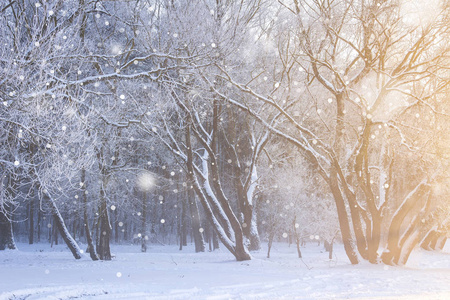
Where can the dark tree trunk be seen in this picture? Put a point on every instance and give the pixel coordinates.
(180, 227)
(197, 230)
(125, 228)
(330, 250)
(250, 229)
(343, 219)
(6, 232)
(183, 221)
(103, 248)
(59, 222)
(116, 225)
(74, 228)
(39, 216)
(144, 224)
(269, 245)
(90, 242)
(249, 226)
(31, 223)
(215, 240)
(297, 238)
(55, 231)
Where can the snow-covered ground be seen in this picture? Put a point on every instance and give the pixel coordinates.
(41, 272)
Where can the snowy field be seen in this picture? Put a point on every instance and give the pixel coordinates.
(41, 272)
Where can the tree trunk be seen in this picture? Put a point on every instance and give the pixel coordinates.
(250, 228)
(374, 239)
(297, 238)
(343, 219)
(180, 224)
(144, 224)
(39, 216)
(330, 250)
(6, 232)
(434, 240)
(195, 216)
(125, 228)
(215, 239)
(59, 221)
(90, 247)
(31, 222)
(116, 225)
(407, 248)
(426, 241)
(441, 242)
(55, 230)
(393, 250)
(269, 245)
(184, 220)
(197, 230)
(103, 248)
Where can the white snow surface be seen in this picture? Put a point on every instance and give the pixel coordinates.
(40, 272)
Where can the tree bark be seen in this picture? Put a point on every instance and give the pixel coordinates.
(144, 223)
(103, 248)
(61, 226)
(297, 238)
(39, 216)
(393, 250)
(441, 242)
(90, 242)
(31, 222)
(425, 244)
(344, 223)
(6, 232)
(194, 213)
(195, 221)
(269, 245)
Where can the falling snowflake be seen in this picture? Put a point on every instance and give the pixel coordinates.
(145, 181)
